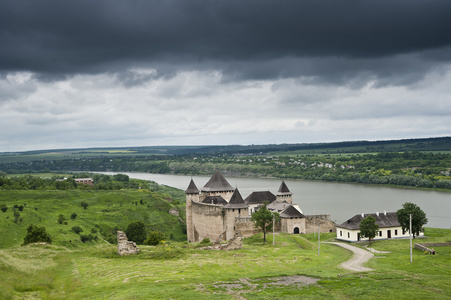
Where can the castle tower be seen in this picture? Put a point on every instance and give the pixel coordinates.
(192, 195)
(217, 186)
(284, 193)
(235, 208)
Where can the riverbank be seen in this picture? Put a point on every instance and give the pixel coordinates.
(341, 200)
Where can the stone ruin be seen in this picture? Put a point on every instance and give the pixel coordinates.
(124, 246)
(235, 243)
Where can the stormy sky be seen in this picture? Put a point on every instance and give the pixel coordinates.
(98, 73)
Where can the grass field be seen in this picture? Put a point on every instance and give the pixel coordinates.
(106, 210)
(181, 271)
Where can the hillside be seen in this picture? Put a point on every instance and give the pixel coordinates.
(107, 212)
(291, 269)
(420, 163)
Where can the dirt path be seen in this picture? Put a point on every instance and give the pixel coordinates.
(357, 260)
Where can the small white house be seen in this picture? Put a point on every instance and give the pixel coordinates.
(389, 227)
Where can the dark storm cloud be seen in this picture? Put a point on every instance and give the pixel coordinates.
(245, 39)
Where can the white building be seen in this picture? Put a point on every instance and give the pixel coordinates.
(389, 228)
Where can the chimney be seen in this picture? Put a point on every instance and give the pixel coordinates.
(377, 213)
(385, 212)
(363, 215)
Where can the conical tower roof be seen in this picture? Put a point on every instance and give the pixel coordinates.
(291, 212)
(283, 189)
(192, 188)
(236, 201)
(217, 183)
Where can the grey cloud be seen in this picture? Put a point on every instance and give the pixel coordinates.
(256, 39)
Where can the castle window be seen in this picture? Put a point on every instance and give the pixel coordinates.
(380, 233)
(396, 231)
(348, 235)
(341, 233)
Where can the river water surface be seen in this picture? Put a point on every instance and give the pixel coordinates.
(341, 200)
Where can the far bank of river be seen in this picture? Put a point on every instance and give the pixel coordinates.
(341, 200)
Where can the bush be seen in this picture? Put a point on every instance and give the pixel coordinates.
(20, 207)
(88, 238)
(4, 208)
(154, 238)
(136, 232)
(73, 216)
(205, 241)
(61, 219)
(84, 204)
(77, 229)
(36, 234)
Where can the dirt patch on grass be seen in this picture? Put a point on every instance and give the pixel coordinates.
(246, 285)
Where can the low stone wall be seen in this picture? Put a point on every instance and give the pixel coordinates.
(124, 246)
(427, 246)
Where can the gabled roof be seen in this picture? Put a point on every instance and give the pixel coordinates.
(192, 188)
(236, 201)
(214, 200)
(383, 220)
(217, 183)
(283, 189)
(291, 212)
(260, 198)
(277, 206)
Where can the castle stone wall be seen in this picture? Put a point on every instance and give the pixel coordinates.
(311, 224)
(246, 227)
(288, 225)
(207, 220)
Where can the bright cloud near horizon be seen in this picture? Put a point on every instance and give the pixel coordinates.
(84, 73)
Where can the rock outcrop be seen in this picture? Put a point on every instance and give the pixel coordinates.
(124, 246)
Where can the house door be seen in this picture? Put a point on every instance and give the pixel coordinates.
(296, 230)
(389, 234)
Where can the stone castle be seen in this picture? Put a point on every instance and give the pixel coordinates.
(218, 212)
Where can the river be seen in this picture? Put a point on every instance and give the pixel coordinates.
(341, 200)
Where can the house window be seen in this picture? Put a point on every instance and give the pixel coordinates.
(348, 235)
(341, 233)
(380, 233)
(239, 210)
(396, 231)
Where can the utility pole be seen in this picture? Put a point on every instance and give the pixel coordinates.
(410, 234)
(273, 230)
(319, 228)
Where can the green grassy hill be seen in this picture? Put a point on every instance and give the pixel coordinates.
(180, 271)
(107, 212)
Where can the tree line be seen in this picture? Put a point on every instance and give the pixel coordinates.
(414, 169)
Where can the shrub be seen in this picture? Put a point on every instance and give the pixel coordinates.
(136, 232)
(94, 230)
(154, 238)
(73, 216)
(205, 241)
(88, 238)
(4, 208)
(20, 207)
(77, 229)
(37, 234)
(84, 204)
(61, 219)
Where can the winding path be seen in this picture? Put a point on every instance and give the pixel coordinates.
(355, 263)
